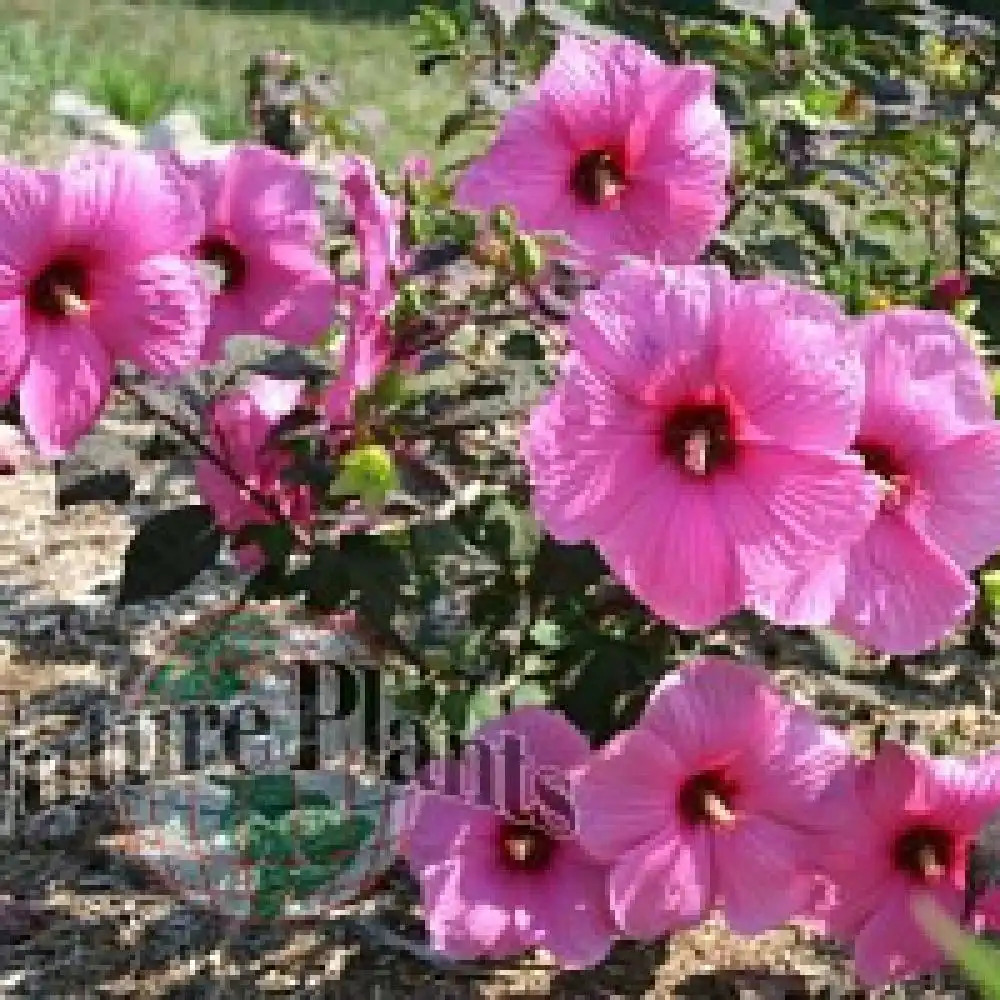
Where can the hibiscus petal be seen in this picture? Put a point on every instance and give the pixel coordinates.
(672, 550)
(547, 737)
(811, 598)
(527, 167)
(125, 206)
(965, 792)
(651, 330)
(892, 945)
(591, 453)
(223, 495)
(625, 793)
(368, 351)
(689, 141)
(287, 294)
(467, 910)
(274, 398)
(13, 344)
(267, 194)
(568, 911)
(29, 220)
(65, 385)
(791, 375)
(903, 593)
(959, 485)
(377, 219)
(788, 510)
(440, 815)
(667, 218)
(763, 874)
(907, 348)
(603, 91)
(154, 314)
(713, 708)
(664, 884)
(790, 783)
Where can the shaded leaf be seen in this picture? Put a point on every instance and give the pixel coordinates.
(116, 487)
(821, 214)
(463, 121)
(168, 552)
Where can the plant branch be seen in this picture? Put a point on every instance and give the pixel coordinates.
(964, 166)
(191, 438)
(383, 638)
(961, 196)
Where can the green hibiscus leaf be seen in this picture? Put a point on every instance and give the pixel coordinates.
(307, 879)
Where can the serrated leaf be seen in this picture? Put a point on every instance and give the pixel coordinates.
(168, 552)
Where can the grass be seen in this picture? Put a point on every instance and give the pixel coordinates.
(143, 58)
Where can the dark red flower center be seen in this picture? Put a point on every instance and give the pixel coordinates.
(525, 845)
(701, 435)
(61, 289)
(597, 177)
(708, 798)
(222, 254)
(882, 461)
(924, 853)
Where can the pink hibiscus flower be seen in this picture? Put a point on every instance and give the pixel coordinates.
(93, 269)
(897, 827)
(929, 437)
(707, 802)
(239, 425)
(262, 232)
(621, 152)
(699, 436)
(498, 868)
(367, 350)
